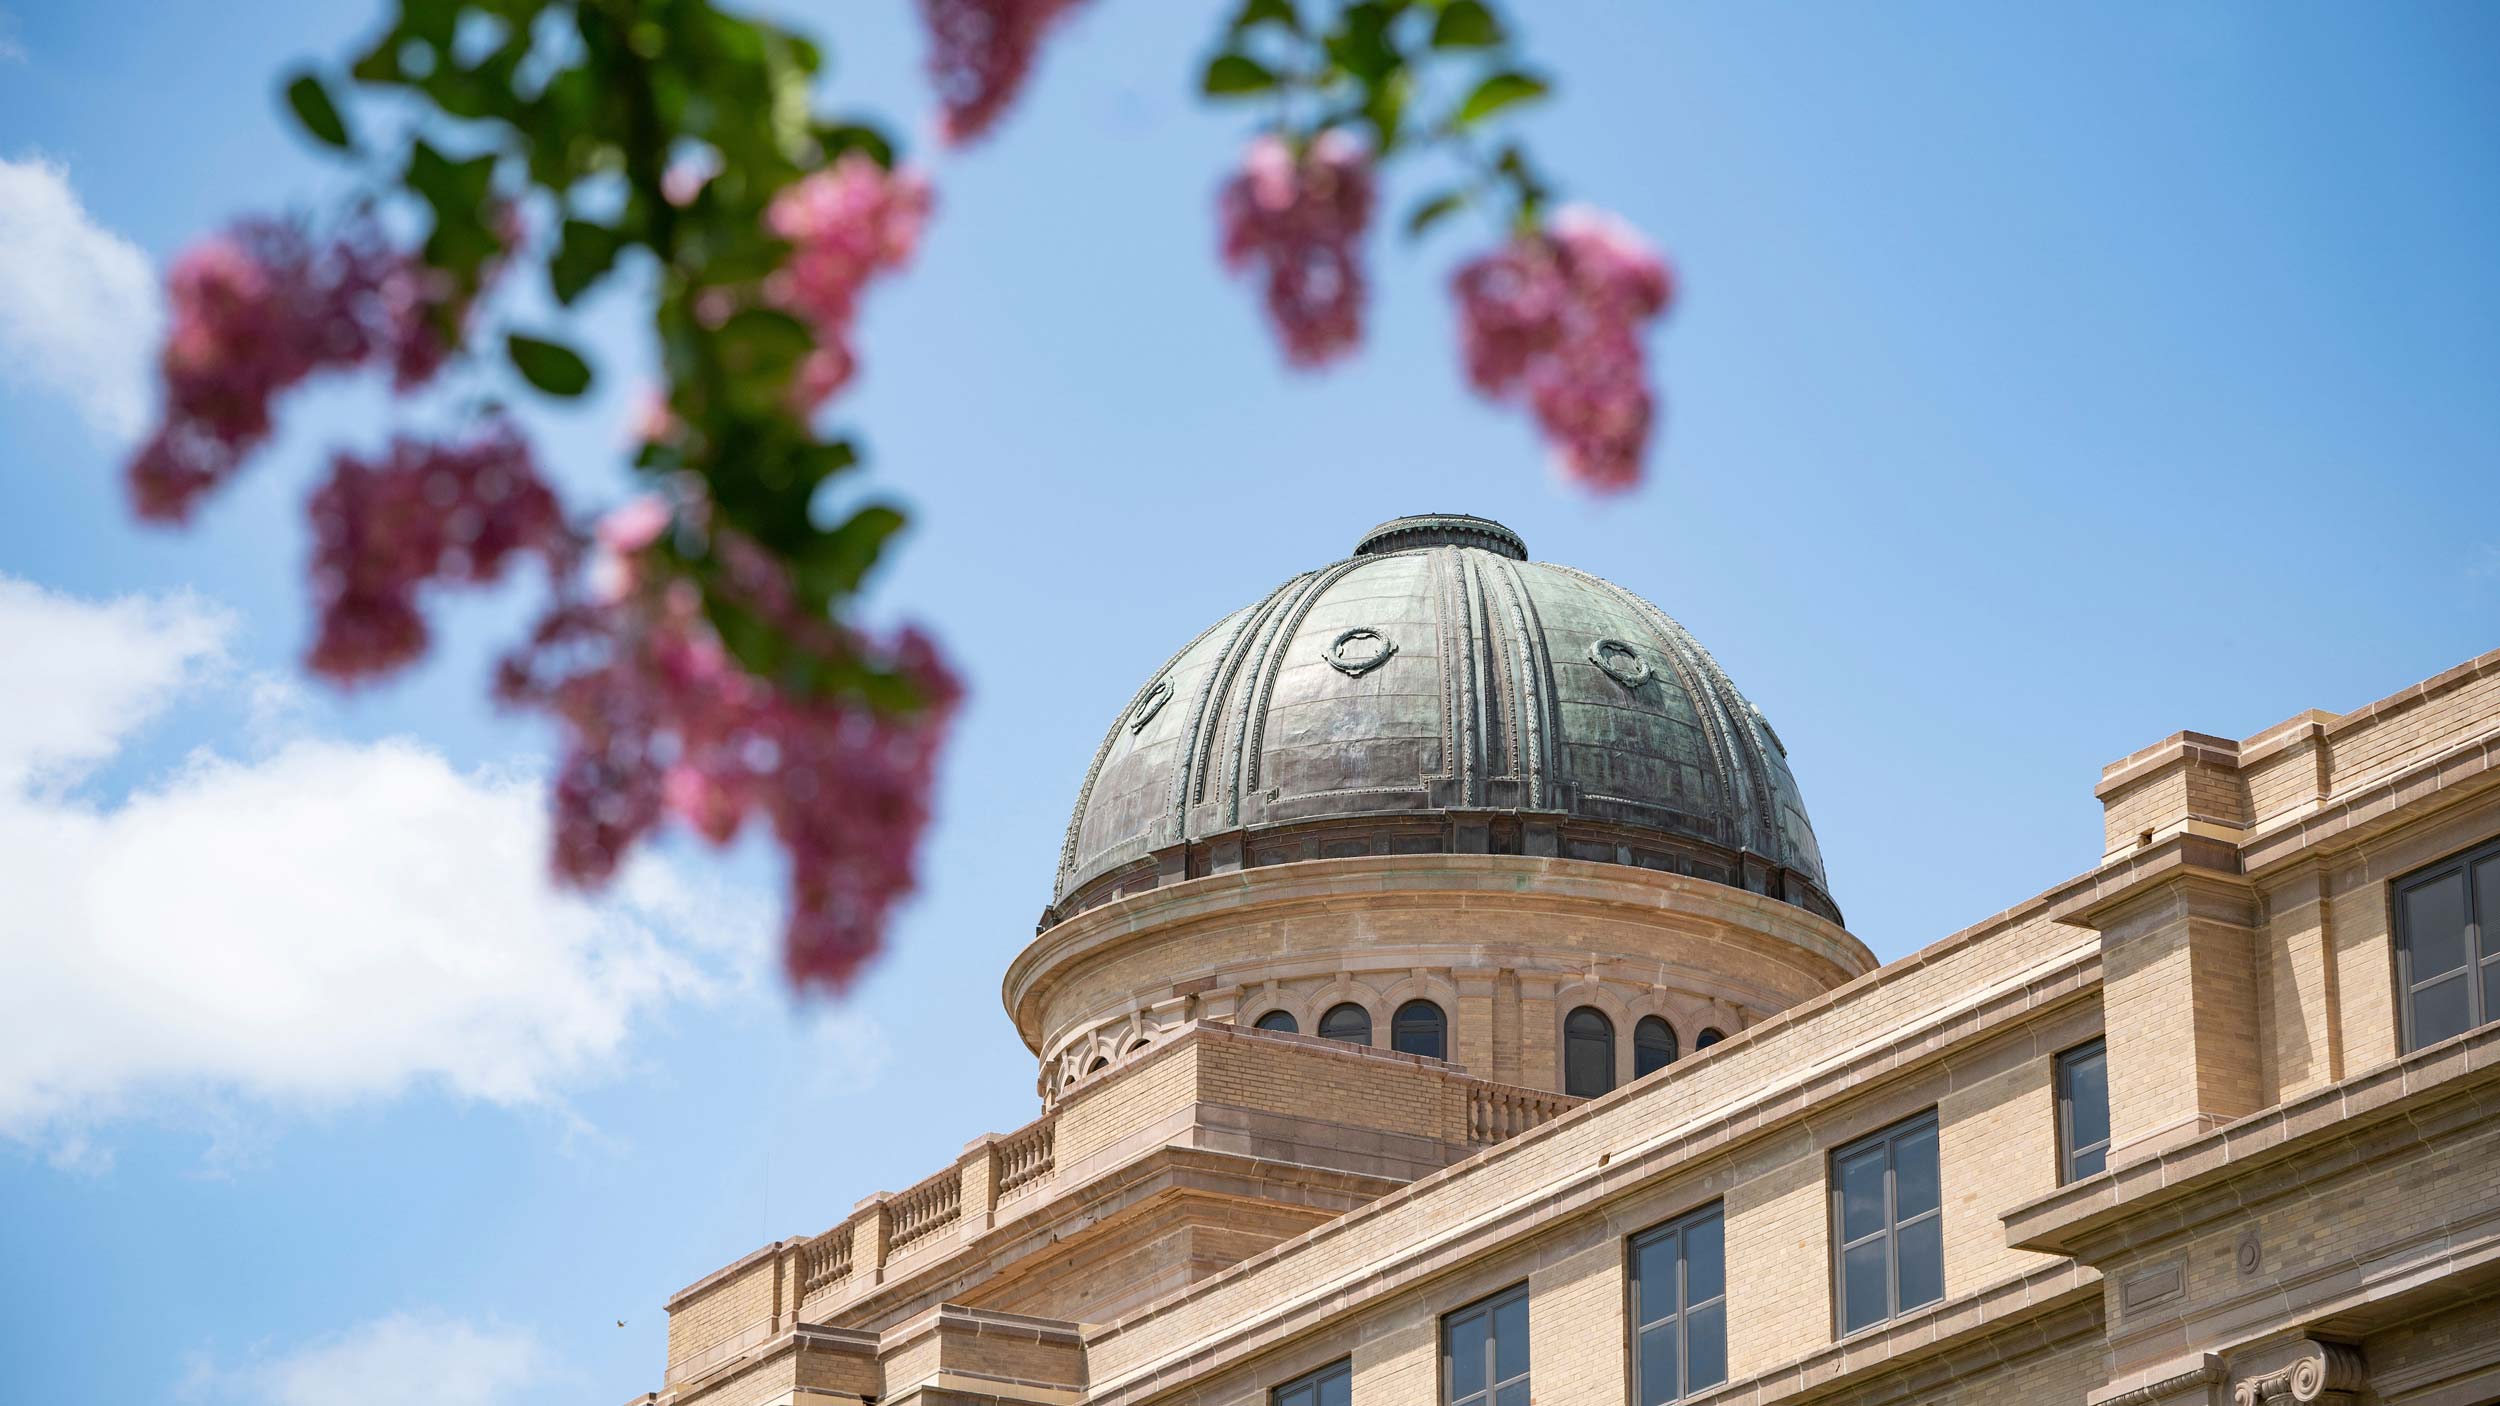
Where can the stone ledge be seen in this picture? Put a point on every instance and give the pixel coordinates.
(2071, 1220)
(2043, 1308)
(1762, 1111)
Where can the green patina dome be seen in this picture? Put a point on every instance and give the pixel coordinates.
(1438, 692)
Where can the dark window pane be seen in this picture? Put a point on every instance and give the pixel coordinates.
(1348, 1022)
(2086, 1101)
(1653, 1046)
(2434, 925)
(1337, 1387)
(1707, 1038)
(1653, 1267)
(2440, 1010)
(1920, 1247)
(1588, 1053)
(1658, 1377)
(1863, 1299)
(2491, 988)
(1419, 1029)
(1862, 1194)
(1914, 1174)
(1516, 1394)
(1280, 1020)
(1705, 1259)
(1510, 1338)
(1705, 1347)
(1299, 1394)
(1465, 1351)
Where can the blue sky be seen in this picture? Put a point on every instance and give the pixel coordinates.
(2047, 379)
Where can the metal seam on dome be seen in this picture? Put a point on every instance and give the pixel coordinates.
(1705, 704)
(1085, 791)
(1445, 644)
(1266, 684)
(1756, 762)
(1249, 722)
(1262, 638)
(1540, 662)
(1505, 693)
(1188, 766)
(1475, 699)
(1467, 702)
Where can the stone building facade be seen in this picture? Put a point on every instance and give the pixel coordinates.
(1441, 1001)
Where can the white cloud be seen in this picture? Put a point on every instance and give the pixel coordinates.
(79, 313)
(322, 922)
(401, 1359)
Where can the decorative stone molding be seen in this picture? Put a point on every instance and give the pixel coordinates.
(2330, 1374)
(2206, 1373)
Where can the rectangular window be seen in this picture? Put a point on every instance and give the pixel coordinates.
(1484, 1352)
(2082, 1112)
(1679, 1308)
(1887, 1224)
(2448, 946)
(1332, 1385)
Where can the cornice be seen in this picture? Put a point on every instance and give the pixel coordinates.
(1307, 1305)
(2267, 1153)
(1334, 885)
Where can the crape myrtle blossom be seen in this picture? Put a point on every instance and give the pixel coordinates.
(844, 225)
(260, 308)
(424, 512)
(659, 720)
(979, 54)
(1301, 219)
(1556, 317)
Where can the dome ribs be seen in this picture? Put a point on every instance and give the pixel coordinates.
(1550, 713)
(1085, 792)
(1246, 762)
(1532, 672)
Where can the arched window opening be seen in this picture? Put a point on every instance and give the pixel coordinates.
(1653, 1046)
(1280, 1021)
(1348, 1022)
(1100, 1062)
(1588, 1053)
(1137, 1044)
(1707, 1038)
(1419, 1028)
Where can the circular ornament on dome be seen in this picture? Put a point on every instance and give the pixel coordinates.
(1620, 662)
(1150, 705)
(1359, 651)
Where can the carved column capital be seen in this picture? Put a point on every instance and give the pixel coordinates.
(2324, 1374)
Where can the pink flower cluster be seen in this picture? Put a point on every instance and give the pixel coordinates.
(844, 225)
(1557, 316)
(425, 512)
(979, 53)
(1302, 220)
(253, 312)
(662, 721)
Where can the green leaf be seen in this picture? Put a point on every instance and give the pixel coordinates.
(317, 114)
(1497, 92)
(759, 349)
(838, 138)
(1466, 24)
(1229, 74)
(1433, 211)
(839, 560)
(551, 366)
(1362, 47)
(1258, 12)
(582, 258)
